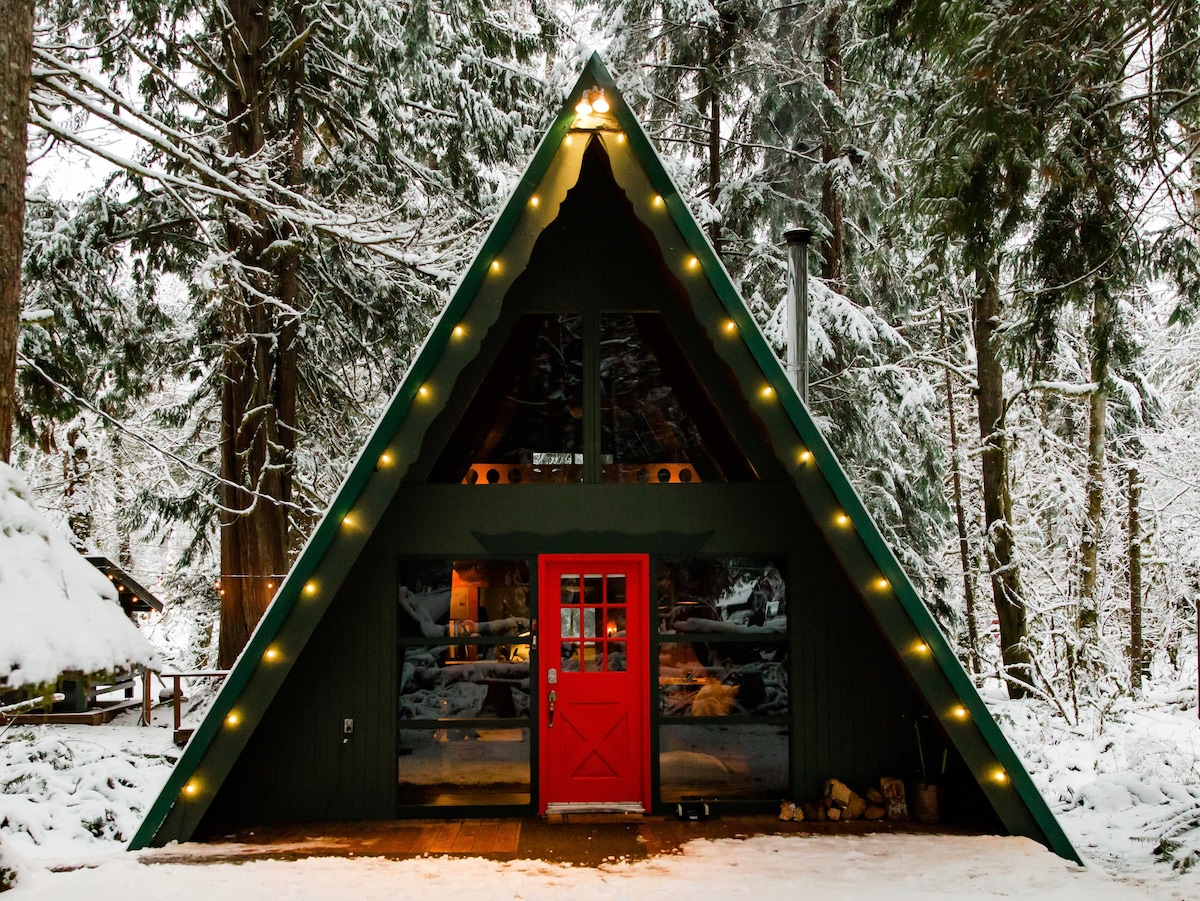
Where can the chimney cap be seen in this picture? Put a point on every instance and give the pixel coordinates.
(798, 235)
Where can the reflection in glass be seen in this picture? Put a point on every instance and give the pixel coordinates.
(432, 688)
(444, 598)
(441, 767)
(722, 596)
(527, 423)
(715, 679)
(648, 401)
(749, 761)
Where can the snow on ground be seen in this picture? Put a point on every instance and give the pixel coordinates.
(1123, 780)
(898, 867)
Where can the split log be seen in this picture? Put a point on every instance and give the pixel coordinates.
(855, 807)
(813, 810)
(874, 795)
(833, 813)
(837, 791)
(874, 812)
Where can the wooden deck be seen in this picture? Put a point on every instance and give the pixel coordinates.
(577, 839)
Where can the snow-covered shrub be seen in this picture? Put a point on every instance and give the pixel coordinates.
(8, 869)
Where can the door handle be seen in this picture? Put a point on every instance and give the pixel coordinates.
(550, 709)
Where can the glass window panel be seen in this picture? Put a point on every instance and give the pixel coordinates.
(441, 767)
(592, 616)
(569, 589)
(435, 687)
(650, 406)
(593, 656)
(721, 596)
(526, 423)
(616, 589)
(457, 598)
(570, 657)
(570, 623)
(593, 589)
(720, 679)
(723, 762)
(616, 656)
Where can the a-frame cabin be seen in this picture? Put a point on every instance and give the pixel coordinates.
(595, 555)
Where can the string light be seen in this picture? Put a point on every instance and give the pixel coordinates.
(658, 200)
(920, 647)
(805, 455)
(385, 459)
(882, 584)
(999, 776)
(693, 263)
(730, 326)
(232, 720)
(310, 587)
(842, 519)
(495, 267)
(191, 788)
(271, 655)
(459, 331)
(960, 712)
(423, 391)
(766, 391)
(534, 201)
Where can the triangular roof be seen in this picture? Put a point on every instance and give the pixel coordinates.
(852, 536)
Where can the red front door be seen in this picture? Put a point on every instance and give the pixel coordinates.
(593, 726)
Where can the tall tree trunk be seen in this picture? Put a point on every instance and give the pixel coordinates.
(258, 401)
(833, 266)
(714, 133)
(1137, 656)
(997, 500)
(1100, 341)
(964, 545)
(16, 56)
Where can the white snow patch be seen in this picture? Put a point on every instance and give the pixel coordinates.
(59, 613)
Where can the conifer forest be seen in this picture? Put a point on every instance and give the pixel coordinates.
(240, 219)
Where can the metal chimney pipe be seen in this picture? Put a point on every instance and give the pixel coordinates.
(797, 308)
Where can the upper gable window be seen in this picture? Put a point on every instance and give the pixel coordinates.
(646, 431)
(534, 428)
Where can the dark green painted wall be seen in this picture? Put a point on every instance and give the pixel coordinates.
(853, 707)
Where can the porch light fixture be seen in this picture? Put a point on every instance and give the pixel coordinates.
(592, 101)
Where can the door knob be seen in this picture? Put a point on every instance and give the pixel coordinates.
(550, 709)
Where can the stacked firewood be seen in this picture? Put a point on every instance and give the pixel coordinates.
(840, 802)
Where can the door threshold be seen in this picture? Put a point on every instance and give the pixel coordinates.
(619, 808)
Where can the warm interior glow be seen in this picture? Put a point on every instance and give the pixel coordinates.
(600, 103)
(583, 107)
